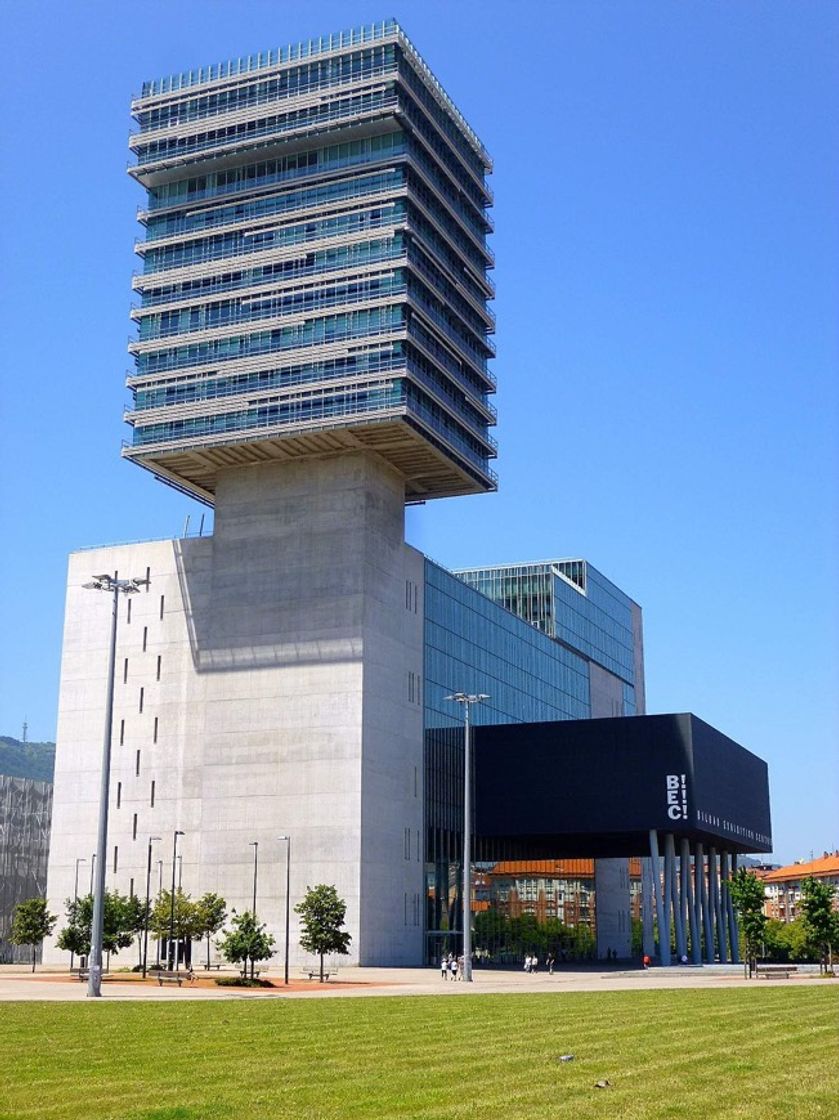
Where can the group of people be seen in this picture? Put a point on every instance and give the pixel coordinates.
(451, 967)
(531, 963)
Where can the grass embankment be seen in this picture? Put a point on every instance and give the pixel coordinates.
(763, 1053)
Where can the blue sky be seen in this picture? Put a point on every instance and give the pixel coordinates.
(666, 187)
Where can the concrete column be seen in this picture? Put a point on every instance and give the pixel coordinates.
(705, 906)
(729, 868)
(663, 935)
(722, 910)
(674, 899)
(693, 924)
(647, 908)
(716, 908)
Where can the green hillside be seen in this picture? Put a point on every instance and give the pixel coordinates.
(27, 760)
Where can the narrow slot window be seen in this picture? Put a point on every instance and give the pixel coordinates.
(155, 730)
(128, 611)
(145, 638)
(137, 764)
(151, 795)
(130, 888)
(122, 732)
(162, 603)
(134, 828)
(142, 697)
(159, 664)
(148, 578)
(116, 858)
(125, 671)
(119, 794)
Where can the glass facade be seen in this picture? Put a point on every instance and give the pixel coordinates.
(525, 635)
(569, 600)
(315, 260)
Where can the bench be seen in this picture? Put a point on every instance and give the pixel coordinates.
(775, 971)
(314, 972)
(84, 973)
(164, 976)
(207, 967)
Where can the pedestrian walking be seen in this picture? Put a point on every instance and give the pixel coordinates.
(453, 967)
(534, 963)
(444, 967)
(527, 962)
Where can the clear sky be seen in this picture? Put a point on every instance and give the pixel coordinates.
(665, 177)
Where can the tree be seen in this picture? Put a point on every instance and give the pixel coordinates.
(212, 914)
(187, 924)
(748, 895)
(821, 922)
(246, 942)
(32, 922)
(322, 913)
(122, 919)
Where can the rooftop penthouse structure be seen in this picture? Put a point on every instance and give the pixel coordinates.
(315, 267)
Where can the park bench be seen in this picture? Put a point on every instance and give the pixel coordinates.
(83, 974)
(165, 976)
(313, 971)
(207, 967)
(775, 971)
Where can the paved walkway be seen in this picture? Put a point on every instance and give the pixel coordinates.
(18, 984)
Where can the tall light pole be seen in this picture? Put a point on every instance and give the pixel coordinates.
(255, 845)
(175, 836)
(287, 840)
(467, 699)
(148, 900)
(92, 869)
(75, 900)
(159, 893)
(180, 871)
(115, 587)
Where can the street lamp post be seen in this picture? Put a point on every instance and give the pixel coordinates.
(255, 845)
(92, 869)
(159, 893)
(287, 840)
(115, 587)
(467, 700)
(175, 836)
(75, 900)
(148, 900)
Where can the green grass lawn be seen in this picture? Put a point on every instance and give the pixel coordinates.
(763, 1052)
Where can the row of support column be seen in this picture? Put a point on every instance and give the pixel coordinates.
(690, 900)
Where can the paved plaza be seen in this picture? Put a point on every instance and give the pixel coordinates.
(17, 983)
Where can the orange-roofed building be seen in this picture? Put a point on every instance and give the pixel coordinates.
(783, 885)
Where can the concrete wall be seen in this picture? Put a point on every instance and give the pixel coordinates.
(283, 706)
(611, 876)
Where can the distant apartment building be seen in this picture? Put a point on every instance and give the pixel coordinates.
(783, 885)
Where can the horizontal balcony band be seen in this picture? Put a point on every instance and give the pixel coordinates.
(209, 79)
(315, 389)
(349, 205)
(268, 287)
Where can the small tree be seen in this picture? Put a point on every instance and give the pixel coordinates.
(211, 916)
(32, 922)
(748, 896)
(121, 919)
(322, 913)
(246, 942)
(186, 926)
(821, 922)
